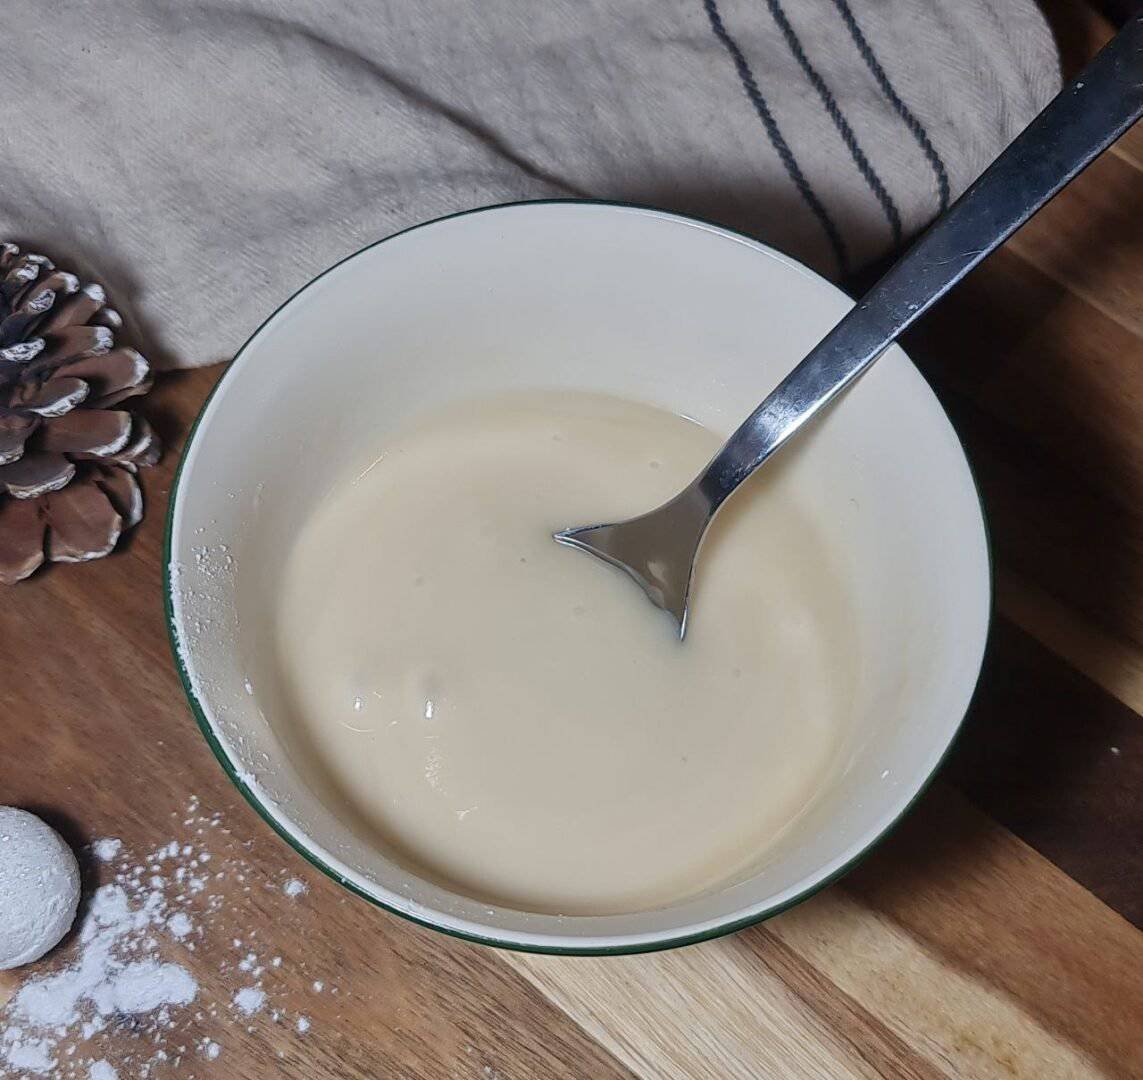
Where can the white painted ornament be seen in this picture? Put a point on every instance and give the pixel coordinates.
(39, 887)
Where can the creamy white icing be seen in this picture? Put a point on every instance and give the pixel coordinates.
(513, 718)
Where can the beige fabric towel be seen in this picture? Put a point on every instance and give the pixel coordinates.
(205, 159)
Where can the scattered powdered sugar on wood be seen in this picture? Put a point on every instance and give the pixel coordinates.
(30, 1055)
(125, 978)
(180, 925)
(105, 850)
(148, 985)
(249, 1000)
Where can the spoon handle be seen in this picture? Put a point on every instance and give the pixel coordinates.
(1078, 124)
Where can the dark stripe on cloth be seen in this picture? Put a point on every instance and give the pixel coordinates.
(839, 121)
(916, 128)
(773, 132)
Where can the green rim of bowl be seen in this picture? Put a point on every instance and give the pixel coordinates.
(249, 795)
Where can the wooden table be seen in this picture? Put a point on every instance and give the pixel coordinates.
(992, 935)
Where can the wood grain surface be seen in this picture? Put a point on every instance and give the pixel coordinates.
(995, 934)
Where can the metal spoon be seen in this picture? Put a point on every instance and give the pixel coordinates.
(658, 549)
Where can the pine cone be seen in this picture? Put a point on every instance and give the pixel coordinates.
(68, 459)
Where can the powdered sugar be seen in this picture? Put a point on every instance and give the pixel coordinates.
(147, 985)
(128, 974)
(179, 925)
(32, 1055)
(105, 850)
(116, 973)
(249, 1000)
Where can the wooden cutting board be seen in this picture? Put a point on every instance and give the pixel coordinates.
(994, 935)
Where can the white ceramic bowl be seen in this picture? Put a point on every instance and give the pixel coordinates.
(601, 297)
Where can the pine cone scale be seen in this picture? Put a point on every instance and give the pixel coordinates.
(36, 473)
(24, 270)
(22, 528)
(82, 523)
(14, 433)
(99, 432)
(75, 310)
(110, 373)
(19, 324)
(142, 450)
(124, 491)
(44, 293)
(53, 398)
(72, 342)
(22, 352)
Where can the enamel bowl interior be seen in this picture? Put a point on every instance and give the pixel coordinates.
(627, 301)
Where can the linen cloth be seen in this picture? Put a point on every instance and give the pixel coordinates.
(205, 159)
